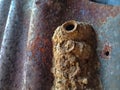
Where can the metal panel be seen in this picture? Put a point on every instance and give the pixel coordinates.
(26, 28)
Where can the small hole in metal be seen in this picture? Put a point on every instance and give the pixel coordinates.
(107, 53)
(69, 27)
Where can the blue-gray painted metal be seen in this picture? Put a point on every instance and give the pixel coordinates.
(110, 68)
(108, 2)
(13, 35)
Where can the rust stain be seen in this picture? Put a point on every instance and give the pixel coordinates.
(99, 12)
(42, 50)
(34, 46)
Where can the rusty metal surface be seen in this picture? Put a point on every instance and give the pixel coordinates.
(26, 28)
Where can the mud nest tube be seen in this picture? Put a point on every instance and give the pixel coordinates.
(75, 62)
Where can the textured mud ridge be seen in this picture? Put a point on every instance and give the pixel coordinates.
(75, 62)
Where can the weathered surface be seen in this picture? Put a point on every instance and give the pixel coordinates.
(75, 62)
(26, 29)
(13, 32)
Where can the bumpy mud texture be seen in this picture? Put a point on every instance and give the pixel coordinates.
(75, 62)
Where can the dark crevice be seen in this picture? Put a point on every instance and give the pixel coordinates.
(69, 27)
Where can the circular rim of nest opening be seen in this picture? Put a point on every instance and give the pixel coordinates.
(70, 26)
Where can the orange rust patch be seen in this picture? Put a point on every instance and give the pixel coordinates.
(42, 49)
(34, 46)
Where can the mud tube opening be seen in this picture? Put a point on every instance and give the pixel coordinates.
(70, 25)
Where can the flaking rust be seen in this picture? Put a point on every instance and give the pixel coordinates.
(75, 61)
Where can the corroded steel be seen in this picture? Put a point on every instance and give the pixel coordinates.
(26, 29)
